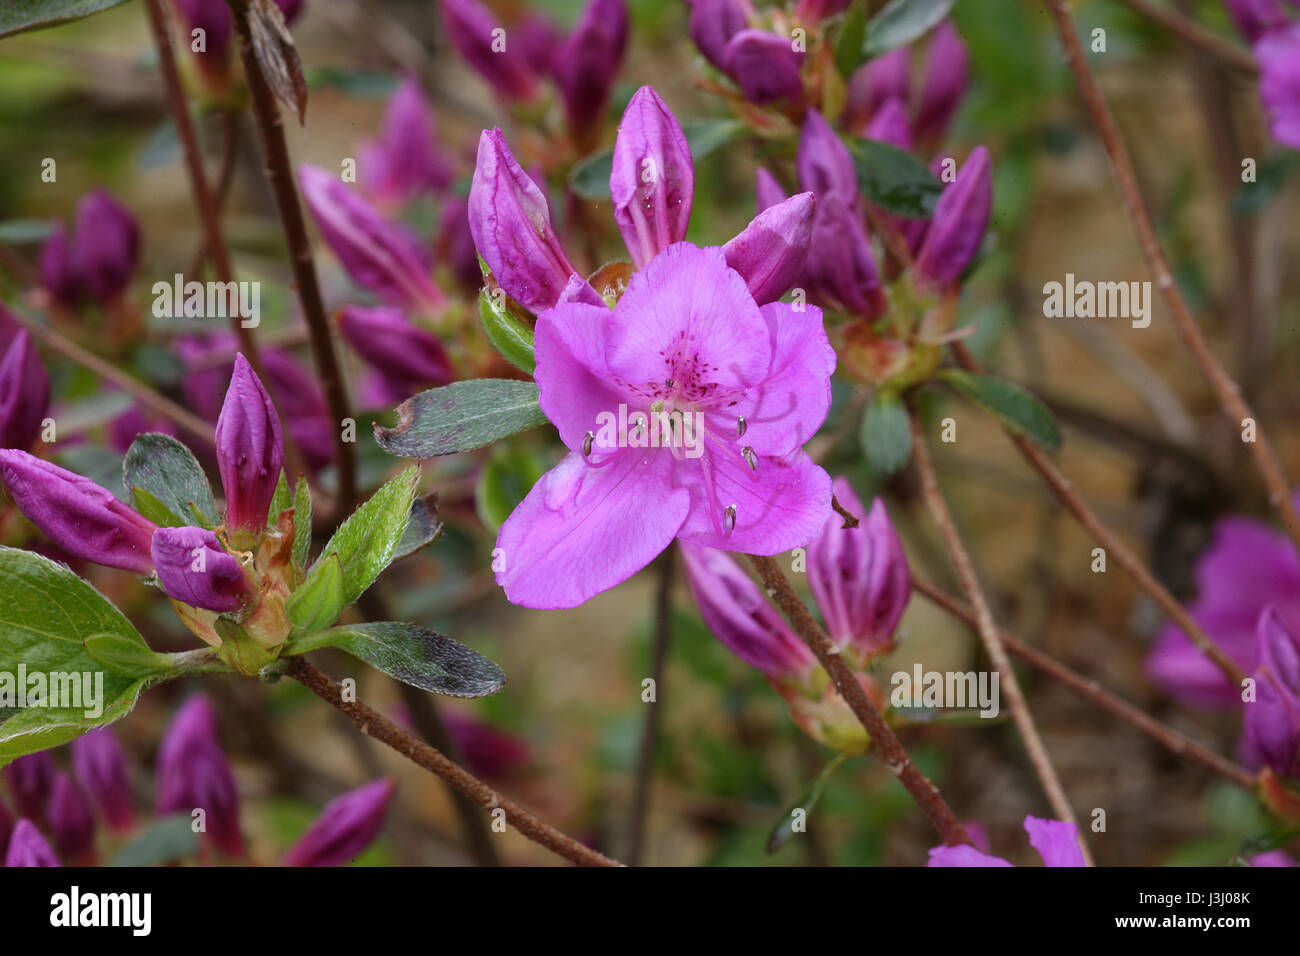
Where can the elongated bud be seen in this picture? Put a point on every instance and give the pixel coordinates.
(346, 826)
(824, 162)
(408, 357)
(735, 610)
(511, 225)
(99, 765)
(28, 848)
(250, 449)
(486, 46)
(713, 23)
(890, 125)
(69, 820)
(379, 255)
(957, 227)
(1272, 721)
(78, 515)
(487, 750)
(24, 393)
(859, 577)
(841, 269)
(405, 162)
(195, 569)
(30, 779)
(107, 245)
(947, 72)
(767, 190)
(652, 181)
(765, 66)
(539, 41)
(213, 18)
(875, 83)
(771, 250)
(588, 62)
(1254, 18)
(193, 773)
(58, 268)
(1278, 54)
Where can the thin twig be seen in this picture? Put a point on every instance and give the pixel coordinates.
(279, 173)
(376, 725)
(645, 762)
(884, 743)
(1226, 391)
(1232, 54)
(989, 633)
(1094, 693)
(1130, 562)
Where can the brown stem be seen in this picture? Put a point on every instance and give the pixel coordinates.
(1187, 29)
(884, 743)
(645, 762)
(1225, 389)
(376, 725)
(1094, 693)
(279, 173)
(1130, 562)
(157, 403)
(989, 633)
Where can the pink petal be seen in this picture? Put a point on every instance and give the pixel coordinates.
(963, 856)
(575, 382)
(1057, 842)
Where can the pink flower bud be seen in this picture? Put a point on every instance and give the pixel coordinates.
(1272, 721)
(99, 765)
(824, 162)
(250, 449)
(841, 269)
(24, 393)
(193, 773)
(1254, 18)
(30, 779)
(713, 23)
(957, 227)
(765, 66)
(69, 820)
(106, 245)
(408, 357)
(588, 62)
(28, 848)
(891, 125)
(770, 252)
(1278, 54)
(195, 569)
(58, 268)
(652, 181)
(346, 826)
(947, 71)
(405, 162)
(767, 190)
(82, 518)
(875, 83)
(485, 45)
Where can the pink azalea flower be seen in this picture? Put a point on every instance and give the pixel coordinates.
(1056, 842)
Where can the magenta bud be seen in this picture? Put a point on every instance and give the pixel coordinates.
(765, 66)
(193, 773)
(456, 244)
(841, 269)
(6, 828)
(588, 62)
(767, 190)
(1255, 18)
(58, 268)
(100, 767)
(1278, 54)
(291, 9)
(876, 82)
(30, 779)
(890, 125)
(824, 162)
(213, 18)
(69, 820)
(405, 162)
(379, 255)
(511, 225)
(24, 393)
(195, 569)
(770, 252)
(957, 227)
(485, 45)
(947, 71)
(306, 411)
(106, 243)
(814, 11)
(859, 576)
(407, 356)
(713, 24)
(346, 826)
(652, 181)
(250, 449)
(538, 40)
(1272, 721)
(78, 515)
(734, 609)
(487, 751)
(28, 848)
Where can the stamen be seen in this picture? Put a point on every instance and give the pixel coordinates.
(750, 458)
(729, 519)
(741, 425)
(587, 441)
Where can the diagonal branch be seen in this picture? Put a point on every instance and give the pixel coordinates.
(1190, 31)
(884, 743)
(989, 633)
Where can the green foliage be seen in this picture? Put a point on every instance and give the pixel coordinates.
(895, 180)
(902, 21)
(17, 16)
(1014, 407)
(460, 417)
(887, 433)
(508, 334)
(167, 484)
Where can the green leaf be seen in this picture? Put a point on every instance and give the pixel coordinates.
(317, 603)
(503, 483)
(422, 527)
(460, 417)
(46, 616)
(19, 15)
(162, 841)
(301, 522)
(170, 476)
(895, 180)
(590, 177)
(366, 543)
(902, 21)
(21, 232)
(508, 334)
(411, 654)
(1017, 409)
(280, 500)
(851, 39)
(887, 433)
(125, 654)
(784, 830)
